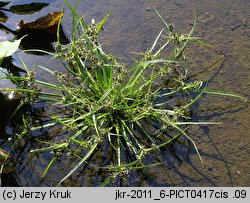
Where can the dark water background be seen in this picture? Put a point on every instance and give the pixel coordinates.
(132, 27)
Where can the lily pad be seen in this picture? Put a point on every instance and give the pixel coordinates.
(28, 8)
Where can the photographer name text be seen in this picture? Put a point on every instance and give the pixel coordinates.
(42, 195)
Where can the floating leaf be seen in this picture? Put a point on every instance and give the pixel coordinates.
(28, 8)
(42, 32)
(3, 3)
(8, 48)
(43, 23)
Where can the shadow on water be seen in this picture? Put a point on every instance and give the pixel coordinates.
(180, 163)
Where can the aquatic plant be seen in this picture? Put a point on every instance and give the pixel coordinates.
(8, 48)
(100, 104)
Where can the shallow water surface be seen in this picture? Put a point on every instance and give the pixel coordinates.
(132, 27)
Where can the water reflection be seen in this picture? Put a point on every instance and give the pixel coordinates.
(178, 168)
(8, 105)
